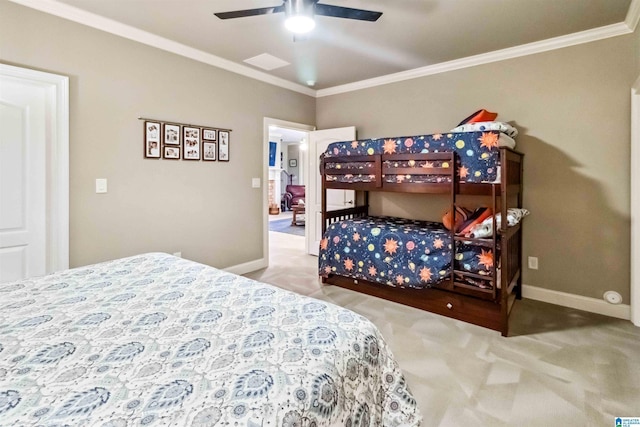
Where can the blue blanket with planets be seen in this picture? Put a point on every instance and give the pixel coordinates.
(398, 252)
(478, 155)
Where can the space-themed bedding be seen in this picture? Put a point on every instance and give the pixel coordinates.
(158, 340)
(478, 156)
(398, 252)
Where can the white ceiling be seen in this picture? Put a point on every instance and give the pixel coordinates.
(287, 135)
(410, 35)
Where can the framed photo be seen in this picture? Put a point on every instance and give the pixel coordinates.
(191, 143)
(223, 148)
(208, 150)
(209, 134)
(171, 152)
(152, 140)
(293, 163)
(171, 134)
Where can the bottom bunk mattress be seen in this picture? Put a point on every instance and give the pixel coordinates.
(158, 340)
(398, 252)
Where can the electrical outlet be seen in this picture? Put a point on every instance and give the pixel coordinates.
(533, 263)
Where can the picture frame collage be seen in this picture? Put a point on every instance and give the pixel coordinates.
(175, 141)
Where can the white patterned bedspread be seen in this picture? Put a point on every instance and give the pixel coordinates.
(158, 340)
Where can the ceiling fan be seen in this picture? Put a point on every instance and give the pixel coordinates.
(300, 13)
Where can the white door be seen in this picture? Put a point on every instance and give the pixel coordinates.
(29, 137)
(340, 199)
(635, 203)
(336, 199)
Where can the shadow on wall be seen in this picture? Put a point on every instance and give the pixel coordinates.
(581, 242)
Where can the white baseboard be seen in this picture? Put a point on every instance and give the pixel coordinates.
(593, 305)
(247, 267)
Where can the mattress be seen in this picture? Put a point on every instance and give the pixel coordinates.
(478, 155)
(398, 252)
(158, 340)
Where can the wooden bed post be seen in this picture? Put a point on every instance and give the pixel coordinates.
(452, 208)
(504, 256)
(520, 202)
(323, 194)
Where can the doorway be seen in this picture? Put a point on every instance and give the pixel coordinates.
(285, 164)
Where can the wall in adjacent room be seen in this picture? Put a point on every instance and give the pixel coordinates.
(573, 111)
(206, 210)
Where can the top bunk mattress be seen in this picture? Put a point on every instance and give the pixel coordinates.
(477, 152)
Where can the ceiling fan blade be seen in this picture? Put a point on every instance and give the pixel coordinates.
(250, 12)
(346, 12)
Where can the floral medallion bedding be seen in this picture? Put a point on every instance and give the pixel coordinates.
(157, 340)
(397, 252)
(478, 153)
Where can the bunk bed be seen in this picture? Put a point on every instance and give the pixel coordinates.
(423, 264)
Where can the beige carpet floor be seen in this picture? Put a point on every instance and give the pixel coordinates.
(559, 367)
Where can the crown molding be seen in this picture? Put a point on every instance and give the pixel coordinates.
(89, 19)
(486, 58)
(633, 15)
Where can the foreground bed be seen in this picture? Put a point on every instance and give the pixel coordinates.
(158, 340)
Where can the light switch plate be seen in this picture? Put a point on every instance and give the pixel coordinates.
(255, 182)
(101, 185)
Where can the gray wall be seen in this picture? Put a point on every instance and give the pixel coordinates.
(207, 210)
(293, 152)
(572, 107)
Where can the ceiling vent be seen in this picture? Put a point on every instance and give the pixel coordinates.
(266, 62)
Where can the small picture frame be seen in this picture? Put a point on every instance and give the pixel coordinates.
(191, 143)
(171, 152)
(293, 163)
(209, 150)
(223, 146)
(171, 134)
(152, 139)
(209, 134)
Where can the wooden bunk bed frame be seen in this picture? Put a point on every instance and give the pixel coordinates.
(450, 297)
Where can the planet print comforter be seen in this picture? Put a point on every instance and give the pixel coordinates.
(398, 252)
(478, 155)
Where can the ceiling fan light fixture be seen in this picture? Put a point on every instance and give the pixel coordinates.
(299, 24)
(299, 15)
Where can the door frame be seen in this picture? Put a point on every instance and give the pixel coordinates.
(635, 202)
(57, 178)
(268, 121)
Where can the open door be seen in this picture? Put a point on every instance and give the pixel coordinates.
(336, 199)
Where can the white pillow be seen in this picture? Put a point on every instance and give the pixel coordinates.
(503, 127)
(485, 228)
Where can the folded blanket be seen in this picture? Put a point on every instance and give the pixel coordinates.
(503, 127)
(485, 228)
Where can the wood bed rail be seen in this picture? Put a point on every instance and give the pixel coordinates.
(351, 165)
(330, 217)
